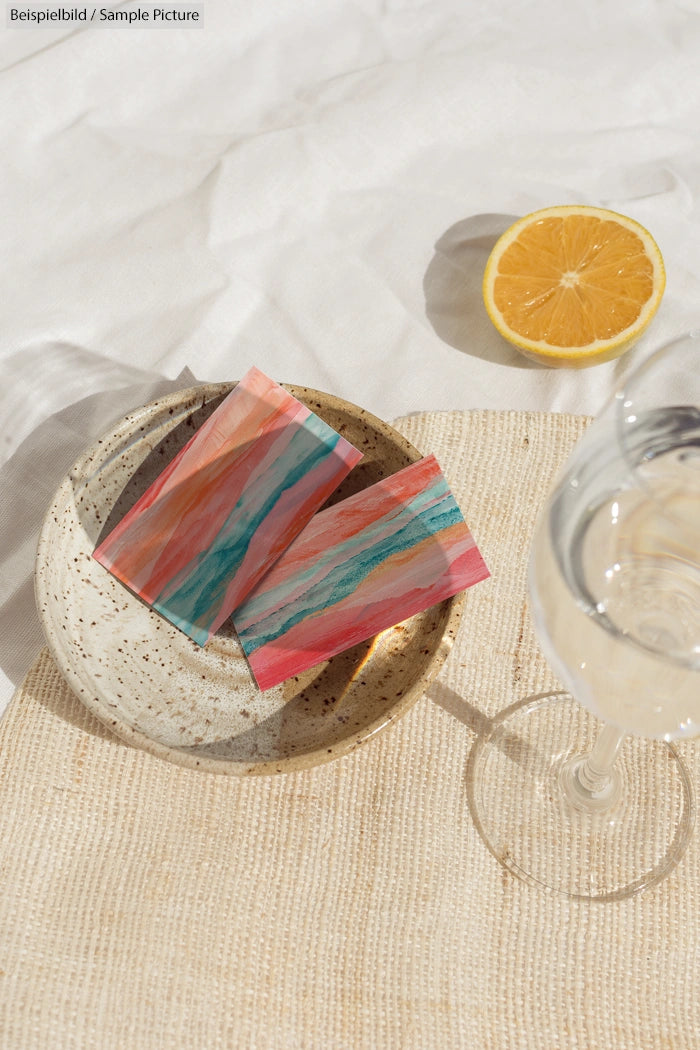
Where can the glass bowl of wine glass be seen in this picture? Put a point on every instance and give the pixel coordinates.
(598, 802)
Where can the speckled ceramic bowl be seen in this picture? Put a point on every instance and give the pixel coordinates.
(201, 708)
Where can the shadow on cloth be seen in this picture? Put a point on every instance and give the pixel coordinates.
(452, 288)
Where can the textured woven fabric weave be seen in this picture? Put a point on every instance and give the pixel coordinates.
(352, 906)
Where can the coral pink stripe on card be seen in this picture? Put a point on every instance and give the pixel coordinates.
(231, 501)
(358, 567)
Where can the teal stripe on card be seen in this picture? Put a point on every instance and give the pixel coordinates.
(343, 579)
(258, 607)
(192, 598)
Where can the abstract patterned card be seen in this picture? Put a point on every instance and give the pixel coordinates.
(229, 503)
(359, 567)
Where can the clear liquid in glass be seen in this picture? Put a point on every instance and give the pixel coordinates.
(615, 576)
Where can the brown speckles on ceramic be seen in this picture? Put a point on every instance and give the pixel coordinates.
(156, 688)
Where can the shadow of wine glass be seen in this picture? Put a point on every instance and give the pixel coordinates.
(510, 744)
(452, 288)
(490, 732)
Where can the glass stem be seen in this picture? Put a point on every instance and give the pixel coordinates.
(596, 769)
(590, 781)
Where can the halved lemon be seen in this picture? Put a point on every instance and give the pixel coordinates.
(573, 285)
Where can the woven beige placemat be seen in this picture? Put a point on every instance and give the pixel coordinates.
(351, 906)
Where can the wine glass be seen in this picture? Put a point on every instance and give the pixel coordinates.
(584, 792)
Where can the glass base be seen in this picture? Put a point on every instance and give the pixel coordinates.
(628, 841)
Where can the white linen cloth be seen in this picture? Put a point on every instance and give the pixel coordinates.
(312, 188)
